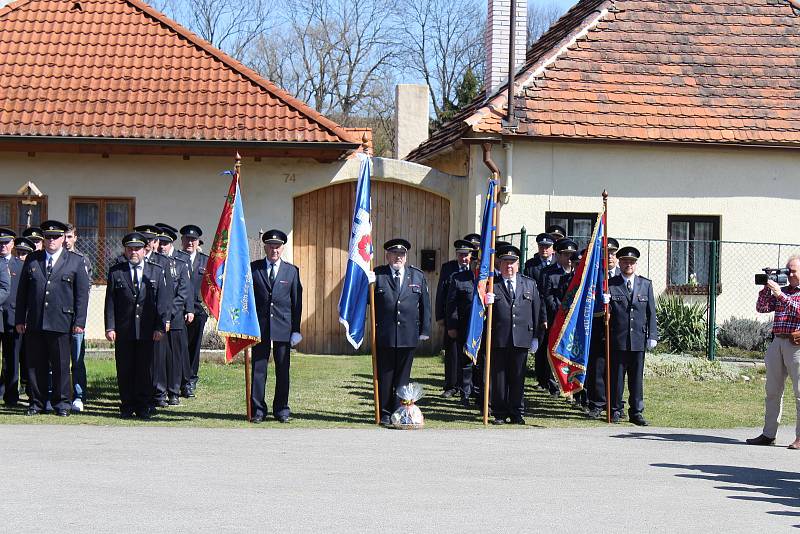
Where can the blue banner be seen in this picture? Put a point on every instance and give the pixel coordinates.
(355, 291)
(484, 271)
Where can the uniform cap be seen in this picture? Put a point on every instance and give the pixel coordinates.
(566, 245)
(396, 245)
(53, 228)
(508, 252)
(556, 231)
(192, 231)
(463, 245)
(274, 237)
(34, 233)
(500, 244)
(628, 252)
(133, 239)
(612, 243)
(168, 227)
(23, 243)
(148, 231)
(167, 234)
(6, 235)
(475, 239)
(545, 239)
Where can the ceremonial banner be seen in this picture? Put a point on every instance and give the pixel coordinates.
(355, 291)
(227, 287)
(571, 331)
(482, 274)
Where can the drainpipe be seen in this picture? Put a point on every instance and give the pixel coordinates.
(505, 190)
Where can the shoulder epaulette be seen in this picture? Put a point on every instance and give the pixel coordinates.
(151, 262)
(415, 268)
(76, 252)
(526, 277)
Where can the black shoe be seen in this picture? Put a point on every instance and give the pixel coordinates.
(760, 440)
(126, 414)
(62, 413)
(32, 411)
(449, 393)
(465, 402)
(518, 420)
(146, 413)
(174, 401)
(594, 413)
(555, 395)
(638, 420)
(498, 421)
(386, 421)
(11, 404)
(283, 419)
(162, 403)
(615, 418)
(256, 419)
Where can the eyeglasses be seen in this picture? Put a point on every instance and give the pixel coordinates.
(53, 237)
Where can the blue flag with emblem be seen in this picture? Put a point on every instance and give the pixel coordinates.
(483, 272)
(571, 331)
(355, 291)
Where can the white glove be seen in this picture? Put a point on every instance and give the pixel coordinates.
(489, 298)
(534, 345)
(606, 298)
(424, 338)
(651, 344)
(371, 276)
(295, 339)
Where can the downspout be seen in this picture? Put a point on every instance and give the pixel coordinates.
(511, 122)
(505, 190)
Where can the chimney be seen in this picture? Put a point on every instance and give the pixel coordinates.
(411, 118)
(497, 42)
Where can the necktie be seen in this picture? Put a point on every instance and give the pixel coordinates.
(510, 288)
(49, 266)
(630, 287)
(397, 278)
(136, 280)
(271, 273)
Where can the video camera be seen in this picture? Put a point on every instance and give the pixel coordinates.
(779, 275)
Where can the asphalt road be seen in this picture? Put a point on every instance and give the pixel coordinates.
(615, 479)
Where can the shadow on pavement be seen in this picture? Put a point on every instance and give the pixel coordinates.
(763, 485)
(680, 437)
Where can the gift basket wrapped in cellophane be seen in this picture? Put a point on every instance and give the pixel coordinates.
(408, 416)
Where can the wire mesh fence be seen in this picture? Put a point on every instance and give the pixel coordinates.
(690, 268)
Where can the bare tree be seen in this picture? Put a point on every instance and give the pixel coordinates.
(541, 15)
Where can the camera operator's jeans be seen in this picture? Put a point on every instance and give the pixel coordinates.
(77, 354)
(782, 359)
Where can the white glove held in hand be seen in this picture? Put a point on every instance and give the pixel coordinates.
(606, 298)
(424, 338)
(371, 276)
(295, 339)
(651, 344)
(534, 345)
(489, 299)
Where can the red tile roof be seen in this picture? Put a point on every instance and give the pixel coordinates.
(120, 69)
(699, 71)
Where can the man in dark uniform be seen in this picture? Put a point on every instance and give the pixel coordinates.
(150, 233)
(77, 341)
(550, 278)
(22, 247)
(177, 347)
(403, 318)
(633, 330)
(279, 305)
(464, 250)
(52, 301)
(517, 327)
(35, 236)
(190, 242)
(542, 259)
(137, 308)
(9, 273)
(596, 367)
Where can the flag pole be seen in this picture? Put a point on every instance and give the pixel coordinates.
(490, 289)
(374, 349)
(606, 315)
(248, 386)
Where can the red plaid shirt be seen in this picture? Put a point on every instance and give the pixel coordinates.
(786, 307)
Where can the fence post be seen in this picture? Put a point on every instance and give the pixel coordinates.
(523, 245)
(712, 300)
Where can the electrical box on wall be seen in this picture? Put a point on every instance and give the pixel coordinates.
(428, 260)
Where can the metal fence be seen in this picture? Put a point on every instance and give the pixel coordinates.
(689, 268)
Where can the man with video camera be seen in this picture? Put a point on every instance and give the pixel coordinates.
(783, 355)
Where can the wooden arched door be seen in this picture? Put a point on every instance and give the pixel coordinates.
(321, 232)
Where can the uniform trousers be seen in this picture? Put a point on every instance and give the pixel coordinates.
(177, 360)
(596, 367)
(466, 372)
(9, 372)
(280, 401)
(77, 358)
(194, 338)
(134, 359)
(451, 362)
(781, 360)
(394, 372)
(507, 392)
(159, 370)
(630, 363)
(49, 352)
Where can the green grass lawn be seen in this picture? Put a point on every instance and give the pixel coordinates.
(336, 391)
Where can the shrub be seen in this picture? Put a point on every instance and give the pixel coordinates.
(742, 333)
(681, 326)
(212, 340)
